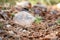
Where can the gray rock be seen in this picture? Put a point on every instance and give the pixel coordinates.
(24, 18)
(2, 31)
(0, 38)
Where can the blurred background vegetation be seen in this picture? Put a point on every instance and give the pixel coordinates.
(12, 2)
(47, 2)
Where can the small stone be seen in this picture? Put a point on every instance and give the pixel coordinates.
(2, 31)
(8, 26)
(51, 36)
(11, 32)
(20, 29)
(24, 31)
(0, 38)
